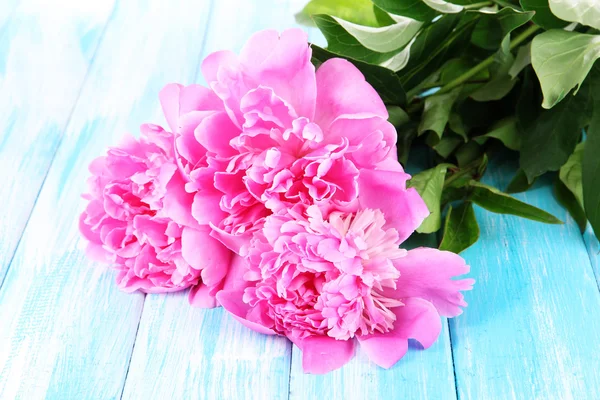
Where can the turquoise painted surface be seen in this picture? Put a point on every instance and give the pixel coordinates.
(74, 79)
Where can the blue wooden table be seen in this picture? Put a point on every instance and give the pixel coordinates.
(76, 75)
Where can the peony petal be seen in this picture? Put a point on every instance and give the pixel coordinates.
(215, 132)
(361, 132)
(206, 208)
(169, 100)
(384, 350)
(235, 276)
(342, 90)
(427, 273)
(416, 319)
(212, 63)
(178, 100)
(403, 208)
(322, 354)
(177, 203)
(231, 300)
(283, 64)
(200, 297)
(205, 253)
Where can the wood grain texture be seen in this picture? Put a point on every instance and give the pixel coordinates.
(45, 53)
(593, 248)
(209, 354)
(532, 328)
(421, 374)
(67, 332)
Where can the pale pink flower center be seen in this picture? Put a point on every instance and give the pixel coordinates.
(325, 277)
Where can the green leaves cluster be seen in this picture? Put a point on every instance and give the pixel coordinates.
(472, 79)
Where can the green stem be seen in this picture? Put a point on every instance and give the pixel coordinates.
(478, 5)
(487, 62)
(507, 4)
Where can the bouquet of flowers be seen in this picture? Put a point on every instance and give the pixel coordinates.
(276, 192)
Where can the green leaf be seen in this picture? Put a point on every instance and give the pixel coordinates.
(591, 173)
(492, 28)
(443, 6)
(519, 183)
(550, 139)
(406, 134)
(461, 229)
(501, 83)
(383, 80)
(522, 60)
(495, 201)
(570, 174)
(468, 153)
(382, 40)
(568, 201)
(435, 45)
(456, 125)
(436, 112)
(397, 116)
(361, 12)
(585, 12)
(415, 9)
(340, 41)
(429, 184)
(543, 16)
(505, 131)
(561, 61)
(447, 145)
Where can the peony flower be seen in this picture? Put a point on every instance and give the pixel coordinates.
(127, 225)
(269, 132)
(329, 280)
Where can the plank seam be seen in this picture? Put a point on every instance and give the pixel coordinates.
(588, 250)
(457, 396)
(290, 372)
(137, 329)
(63, 130)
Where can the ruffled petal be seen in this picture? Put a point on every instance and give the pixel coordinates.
(322, 354)
(404, 209)
(203, 252)
(235, 277)
(200, 296)
(231, 300)
(427, 273)
(178, 100)
(342, 90)
(283, 64)
(214, 61)
(206, 209)
(416, 319)
(215, 132)
(177, 203)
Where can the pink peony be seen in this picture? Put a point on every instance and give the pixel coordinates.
(330, 279)
(271, 133)
(127, 225)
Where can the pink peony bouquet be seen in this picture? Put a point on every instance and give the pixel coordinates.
(276, 193)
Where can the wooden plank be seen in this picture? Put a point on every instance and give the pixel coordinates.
(182, 352)
(532, 329)
(593, 247)
(421, 374)
(67, 332)
(186, 353)
(7, 9)
(45, 53)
